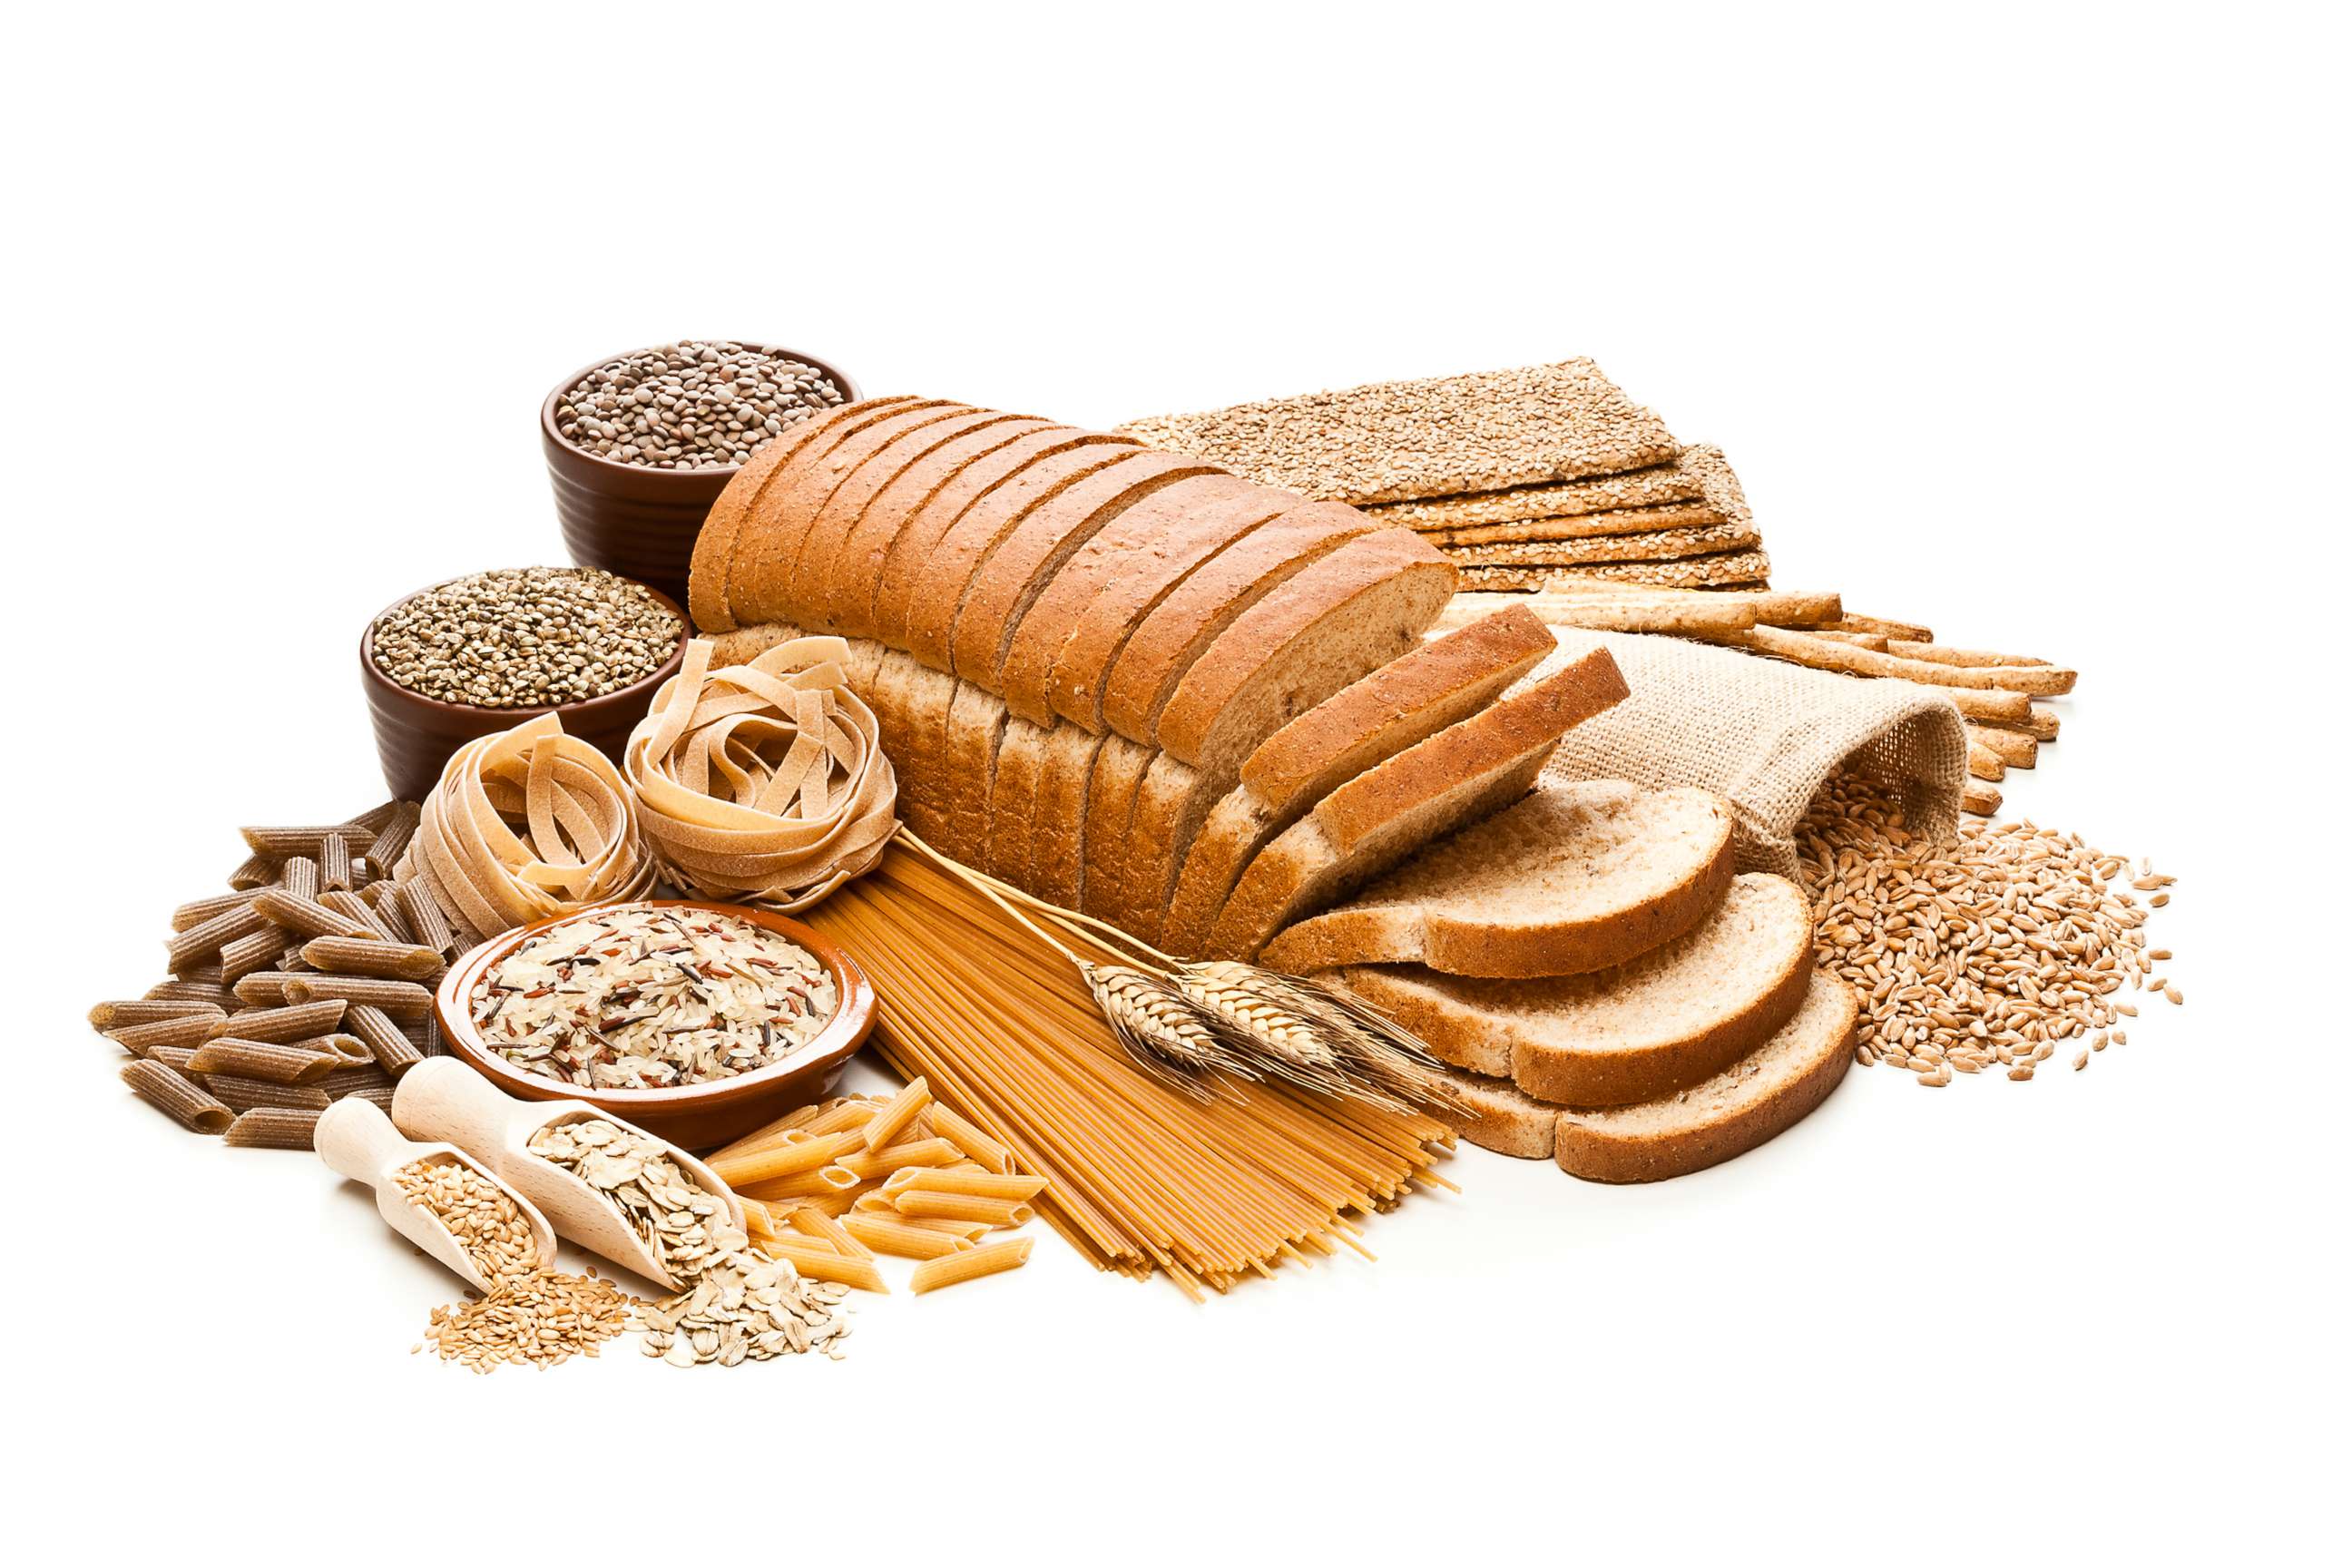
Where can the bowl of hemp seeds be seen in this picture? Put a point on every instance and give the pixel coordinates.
(482, 653)
(639, 444)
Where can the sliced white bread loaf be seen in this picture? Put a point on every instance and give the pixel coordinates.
(707, 583)
(1461, 774)
(1399, 705)
(1749, 1102)
(1667, 1019)
(1496, 1114)
(1576, 878)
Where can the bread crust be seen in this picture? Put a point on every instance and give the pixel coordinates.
(808, 491)
(1495, 1114)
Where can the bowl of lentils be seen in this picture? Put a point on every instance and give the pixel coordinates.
(484, 652)
(639, 444)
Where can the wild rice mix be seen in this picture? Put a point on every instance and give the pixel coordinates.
(636, 997)
(1990, 952)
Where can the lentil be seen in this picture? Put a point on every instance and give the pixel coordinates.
(690, 405)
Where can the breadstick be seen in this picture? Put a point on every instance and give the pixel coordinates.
(1984, 763)
(1936, 653)
(2012, 746)
(2036, 680)
(1871, 640)
(1980, 799)
(1907, 630)
(2040, 723)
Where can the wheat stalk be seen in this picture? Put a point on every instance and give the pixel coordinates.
(1159, 1026)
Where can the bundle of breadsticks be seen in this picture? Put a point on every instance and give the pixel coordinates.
(1996, 693)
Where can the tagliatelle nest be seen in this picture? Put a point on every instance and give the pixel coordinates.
(763, 781)
(526, 825)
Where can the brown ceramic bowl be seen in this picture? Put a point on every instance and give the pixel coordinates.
(415, 735)
(692, 1116)
(639, 522)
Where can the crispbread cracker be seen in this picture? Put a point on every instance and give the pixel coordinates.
(1738, 568)
(1403, 440)
(1667, 544)
(1584, 525)
(1667, 484)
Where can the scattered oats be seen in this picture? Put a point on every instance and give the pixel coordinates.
(681, 1224)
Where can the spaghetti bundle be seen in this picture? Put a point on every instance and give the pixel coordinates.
(1144, 1177)
(763, 781)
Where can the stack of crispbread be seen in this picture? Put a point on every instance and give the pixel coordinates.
(1527, 478)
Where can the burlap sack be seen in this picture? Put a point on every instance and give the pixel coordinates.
(1764, 735)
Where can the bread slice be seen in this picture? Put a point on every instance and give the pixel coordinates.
(975, 729)
(1119, 769)
(744, 644)
(1496, 1114)
(1399, 705)
(1462, 774)
(1124, 569)
(925, 786)
(1007, 583)
(1332, 624)
(760, 580)
(915, 543)
(1670, 1017)
(857, 563)
(938, 593)
(1157, 652)
(1170, 805)
(808, 491)
(865, 656)
(714, 546)
(1749, 1102)
(1057, 848)
(1012, 800)
(1574, 879)
(844, 508)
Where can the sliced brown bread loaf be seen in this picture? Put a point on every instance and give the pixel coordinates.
(1119, 769)
(976, 729)
(1170, 803)
(1007, 582)
(1576, 878)
(1496, 1114)
(760, 580)
(1400, 704)
(1058, 854)
(820, 472)
(1012, 800)
(844, 508)
(714, 546)
(930, 697)
(915, 541)
(1153, 655)
(938, 593)
(906, 497)
(1668, 1018)
(1462, 774)
(1125, 568)
(1748, 1102)
(744, 644)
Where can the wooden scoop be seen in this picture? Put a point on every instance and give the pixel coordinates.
(443, 1097)
(358, 1141)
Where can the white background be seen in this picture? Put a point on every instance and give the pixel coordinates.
(2021, 321)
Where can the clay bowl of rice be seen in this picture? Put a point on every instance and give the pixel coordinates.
(698, 1022)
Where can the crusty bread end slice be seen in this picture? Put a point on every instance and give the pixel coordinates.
(1749, 1102)
(1496, 1113)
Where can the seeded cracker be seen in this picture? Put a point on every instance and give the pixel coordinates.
(1735, 569)
(1667, 544)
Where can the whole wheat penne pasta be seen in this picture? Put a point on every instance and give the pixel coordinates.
(252, 1093)
(819, 1225)
(354, 907)
(892, 1119)
(298, 1021)
(873, 1202)
(392, 836)
(817, 1262)
(196, 911)
(958, 1267)
(272, 1127)
(901, 1241)
(262, 1059)
(802, 1185)
(867, 1164)
(257, 872)
(353, 1081)
(194, 946)
(392, 914)
(191, 990)
(191, 1031)
(842, 1114)
(349, 1050)
(306, 917)
(299, 877)
(394, 1051)
(373, 818)
(335, 863)
(172, 1094)
(426, 920)
(1936, 653)
(267, 989)
(975, 1184)
(129, 1014)
(401, 998)
(757, 1220)
(176, 1057)
(992, 1154)
(389, 960)
(283, 842)
(782, 1159)
(1002, 1213)
(381, 1097)
(247, 954)
(2012, 746)
(424, 1034)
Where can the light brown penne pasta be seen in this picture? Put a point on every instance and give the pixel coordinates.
(354, 907)
(401, 998)
(901, 1108)
(248, 953)
(349, 1050)
(283, 842)
(299, 877)
(109, 1016)
(335, 863)
(392, 1050)
(195, 947)
(867, 1164)
(804, 1185)
(874, 1201)
(426, 920)
(819, 1225)
(970, 1229)
(196, 911)
(176, 1057)
(389, 960)
(392, 914)
(1002, 1213)
(172, 1094)
(992, 1154)
(346, 1081)
(841, 1115)
(262, 1059)
(782, 1159)
(834, 1204)
(758, 1219)
(252, 1093)
(299, 1021)
(373, 818)
(267, 989)
(191, 1031)
(958, 1267)
(975, 1184)
(272, 1127)
(190, 989)
(257, 871)
(391, 836)
(817, 1262)
(899, 1239)
(305, 917)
